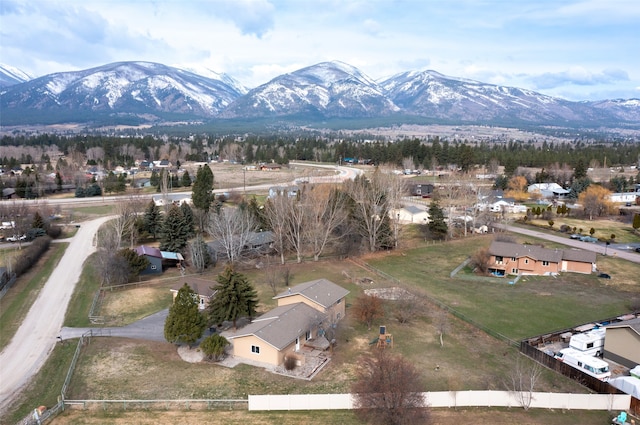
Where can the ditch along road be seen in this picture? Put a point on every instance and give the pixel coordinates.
(565, 240)
(36, 337)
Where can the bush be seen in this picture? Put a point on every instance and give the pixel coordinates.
(565, 229)
(31, 254)
(54, 232)
(290, 362)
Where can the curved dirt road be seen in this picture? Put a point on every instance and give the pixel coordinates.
(37, 335)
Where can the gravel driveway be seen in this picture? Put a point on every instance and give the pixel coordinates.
(37, 335)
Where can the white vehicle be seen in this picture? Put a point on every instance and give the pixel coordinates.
(16, 238)
(591, 343)
(588, 364)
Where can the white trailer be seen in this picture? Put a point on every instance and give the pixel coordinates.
(591, 343)
(588, 364)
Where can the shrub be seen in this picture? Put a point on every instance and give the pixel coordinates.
(31, 254)
(565, 229)
(290, 362)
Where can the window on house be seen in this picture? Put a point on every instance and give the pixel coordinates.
(255, 349)
(307, 336)
(526, 261)
(514, 271)
(545, 263)
(153, 267)
(513, 258)
(499, 259)
(202, 301)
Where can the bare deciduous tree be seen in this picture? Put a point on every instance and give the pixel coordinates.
(373, 199)
(522, 380)
(367, 308)
(325, 209)
(407, 309)
(441, 323)
(276, 210)
(389, 391)
(200, 257)
(480, 260)
(231, 229)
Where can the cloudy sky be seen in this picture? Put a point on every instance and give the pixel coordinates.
(575, 49)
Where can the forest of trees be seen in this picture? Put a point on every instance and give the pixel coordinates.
(427, 154)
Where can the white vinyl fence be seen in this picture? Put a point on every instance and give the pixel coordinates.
(452, 399)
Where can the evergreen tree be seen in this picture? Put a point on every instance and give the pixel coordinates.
(137, 263)
(437, 226)
(38, 221)
(185, 323)
(189, 220)
(186, 179)
(213, 346)
(175, 232)
(152, 219)
(202, 191)
(58, 180)
(636, 221)
(580, 172)
(235, 297)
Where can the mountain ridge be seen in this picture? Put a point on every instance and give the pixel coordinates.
(139, 91)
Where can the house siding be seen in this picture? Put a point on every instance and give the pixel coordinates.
(577, 267)
(154, 267)
(622, 345)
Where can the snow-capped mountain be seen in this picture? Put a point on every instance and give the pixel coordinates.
(328, 89)
(131, 88)
(429, 93)
(10, 76)
(135, 92)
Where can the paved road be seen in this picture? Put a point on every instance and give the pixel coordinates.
(587, 246)
(36, 337)
(150, 328)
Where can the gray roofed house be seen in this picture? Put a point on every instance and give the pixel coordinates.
(281, 326)
(517, 259)
(298, 324)
(321, 292)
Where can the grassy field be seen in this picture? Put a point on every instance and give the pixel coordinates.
(478, 416)
(603, 228)
(17, 301)
(556, 303)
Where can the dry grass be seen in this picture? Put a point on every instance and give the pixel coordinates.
(127, 306)
(479, 416)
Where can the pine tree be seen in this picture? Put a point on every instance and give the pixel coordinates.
(38, 221)
(175, 232)
(437, 226)
(185, 323)
(189, 220)
(152, 219)
(202, 194)
(186, 179)
(235, 297)
(636, 221)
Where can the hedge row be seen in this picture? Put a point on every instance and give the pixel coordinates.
(31, 254)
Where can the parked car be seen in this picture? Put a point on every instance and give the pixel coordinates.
(604, 276)
(638, 249)
(575, 236)
(16, 238)
(588, 239)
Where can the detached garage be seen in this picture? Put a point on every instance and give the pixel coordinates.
(622, 343)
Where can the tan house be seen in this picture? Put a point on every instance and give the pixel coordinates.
(200, 287)
(303, 313)
(622, 343)
(507, 258)
(321, 294)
